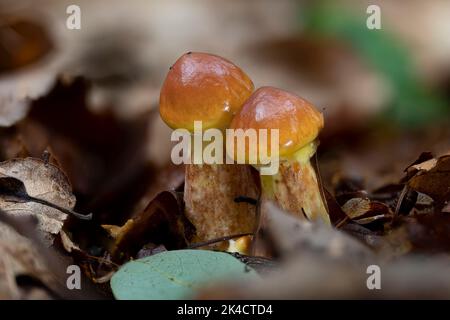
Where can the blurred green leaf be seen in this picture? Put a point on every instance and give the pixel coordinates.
(176, 274)
(412, 103)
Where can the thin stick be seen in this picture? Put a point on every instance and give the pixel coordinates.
(320, 183)
(400, 199)
(206, 243)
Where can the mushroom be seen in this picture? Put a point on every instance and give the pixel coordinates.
(295, 185)
(205, 87)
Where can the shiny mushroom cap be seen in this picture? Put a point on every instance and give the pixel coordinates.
(297, 120)
(203, 87)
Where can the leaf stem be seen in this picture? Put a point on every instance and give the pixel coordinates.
(55, 206)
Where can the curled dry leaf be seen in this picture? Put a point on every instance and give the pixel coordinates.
(426, 165)
(162, 222)
(423, 157)
(432, 177)
(364, 211)
(43, 181)
(423, 205)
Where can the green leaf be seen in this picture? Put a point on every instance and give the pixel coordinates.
(176, 274)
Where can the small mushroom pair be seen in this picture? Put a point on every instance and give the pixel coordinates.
(208, 88)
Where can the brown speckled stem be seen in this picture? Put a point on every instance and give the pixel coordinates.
(209, 195)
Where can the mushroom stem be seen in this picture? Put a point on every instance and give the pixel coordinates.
(295, 187)
(209, 193)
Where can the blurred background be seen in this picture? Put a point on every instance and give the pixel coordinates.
(90, 96)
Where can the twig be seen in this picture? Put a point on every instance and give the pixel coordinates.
(400, 199)
(208, 242)
(320, 183)
(342, 222)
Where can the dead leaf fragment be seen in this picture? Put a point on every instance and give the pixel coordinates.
(18, 257)
(43, 264)
(424, 157)
(433, 179)
(41, 180)
(67, 243)
(162, 222)
(363, 210)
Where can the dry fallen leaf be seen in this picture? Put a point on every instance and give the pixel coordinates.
(41, 265)
(364, 211)
(18, 257)
(44, 181)
(162, 222)
(433, 178)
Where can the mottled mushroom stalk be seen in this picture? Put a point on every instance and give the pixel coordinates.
(207, 88)
(295, 187)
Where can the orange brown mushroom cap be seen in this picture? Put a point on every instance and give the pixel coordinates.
(203, 87)
(297, 120)
(295, 187)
